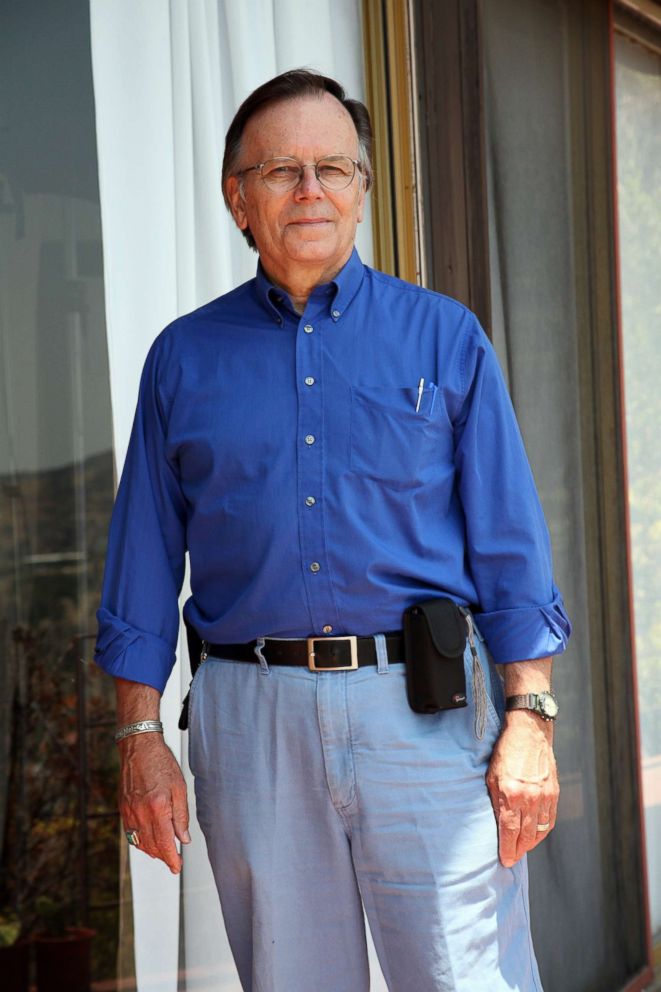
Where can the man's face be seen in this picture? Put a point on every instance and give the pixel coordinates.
(309, 229)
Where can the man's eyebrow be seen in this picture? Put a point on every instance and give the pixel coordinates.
(267, 156)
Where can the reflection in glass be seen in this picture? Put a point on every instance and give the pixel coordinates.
(58, 825)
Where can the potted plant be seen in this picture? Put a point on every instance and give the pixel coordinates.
(14, 954)
(63, 951)
(41, 845)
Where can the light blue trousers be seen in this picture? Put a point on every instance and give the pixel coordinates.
(319, 792)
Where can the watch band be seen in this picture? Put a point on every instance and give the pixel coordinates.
(543, 703)
(524, 701)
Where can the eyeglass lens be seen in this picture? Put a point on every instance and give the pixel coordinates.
(283, 174)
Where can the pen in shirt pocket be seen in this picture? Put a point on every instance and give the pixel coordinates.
(421, 386)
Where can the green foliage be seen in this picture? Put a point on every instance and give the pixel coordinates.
(10, 929)
(53, 916)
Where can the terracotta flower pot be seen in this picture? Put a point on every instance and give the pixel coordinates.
(15, 966)
(65, 961)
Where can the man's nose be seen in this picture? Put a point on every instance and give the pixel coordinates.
(308, 184)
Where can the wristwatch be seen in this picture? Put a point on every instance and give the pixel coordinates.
(543, 703)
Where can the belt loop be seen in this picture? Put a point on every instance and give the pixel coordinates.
(263, 663)
(381, 654)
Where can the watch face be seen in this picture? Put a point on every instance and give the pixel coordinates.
(548, 705)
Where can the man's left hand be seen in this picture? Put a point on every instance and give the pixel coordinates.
(523, 784)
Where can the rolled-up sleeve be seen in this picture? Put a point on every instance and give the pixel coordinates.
(139, 612)
(521, 613)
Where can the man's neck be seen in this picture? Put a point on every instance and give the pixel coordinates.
(298, 290)
(299, 285)
(299, 302)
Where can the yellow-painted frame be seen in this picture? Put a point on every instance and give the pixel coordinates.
(389, 72)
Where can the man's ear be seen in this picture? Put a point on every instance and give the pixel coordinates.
(362, 193)
(233, 189)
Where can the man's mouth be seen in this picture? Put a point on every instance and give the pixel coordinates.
(310, 221)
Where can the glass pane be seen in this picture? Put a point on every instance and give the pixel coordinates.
(58, 825)
(536, 327)
(638, 101)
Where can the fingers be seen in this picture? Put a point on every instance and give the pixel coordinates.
(546, 819)
(508, 819)
(180, 815)
(509, 828)
(525, 818)
(521, 809)
(152, 820)
(164, 836)
(528, 835)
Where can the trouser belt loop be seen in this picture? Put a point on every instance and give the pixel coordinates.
(263, 663)
(381, 654)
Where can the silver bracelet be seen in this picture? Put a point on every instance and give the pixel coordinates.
(141, 727)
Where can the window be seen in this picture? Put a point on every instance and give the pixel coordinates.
(638, 106)
(58, 822)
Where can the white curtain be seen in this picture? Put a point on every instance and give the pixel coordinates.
(168, 76)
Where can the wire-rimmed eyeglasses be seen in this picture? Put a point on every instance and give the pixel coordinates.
(283, 174)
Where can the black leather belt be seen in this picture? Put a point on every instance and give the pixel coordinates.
(319, 654)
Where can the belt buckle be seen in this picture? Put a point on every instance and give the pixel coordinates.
(353, 643)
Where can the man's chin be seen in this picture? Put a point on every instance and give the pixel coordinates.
(311, 248)
(309, 234)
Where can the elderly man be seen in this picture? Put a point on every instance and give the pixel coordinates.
(332, 447)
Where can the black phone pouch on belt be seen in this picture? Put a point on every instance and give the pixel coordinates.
(434, 642)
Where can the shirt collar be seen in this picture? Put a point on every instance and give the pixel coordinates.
(339, 292)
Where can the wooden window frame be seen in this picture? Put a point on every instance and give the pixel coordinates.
(639, 20)
(396, 199)
(452, 158)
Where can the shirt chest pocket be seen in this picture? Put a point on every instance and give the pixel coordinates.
(391, 440)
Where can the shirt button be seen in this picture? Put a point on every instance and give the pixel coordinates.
(309, 438)
(315, 566)
(310, 501)
(308, 328)
(327, 629)
(309, 381)
(336, 313)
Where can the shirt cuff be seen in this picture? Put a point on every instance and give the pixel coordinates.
(527, 633)
(129, 653)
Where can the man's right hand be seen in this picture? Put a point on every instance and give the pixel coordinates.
(152, 797)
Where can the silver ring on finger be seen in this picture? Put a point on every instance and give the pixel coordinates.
(133, 838)
(541, 827)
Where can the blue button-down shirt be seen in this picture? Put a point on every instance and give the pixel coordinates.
(316, 488)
